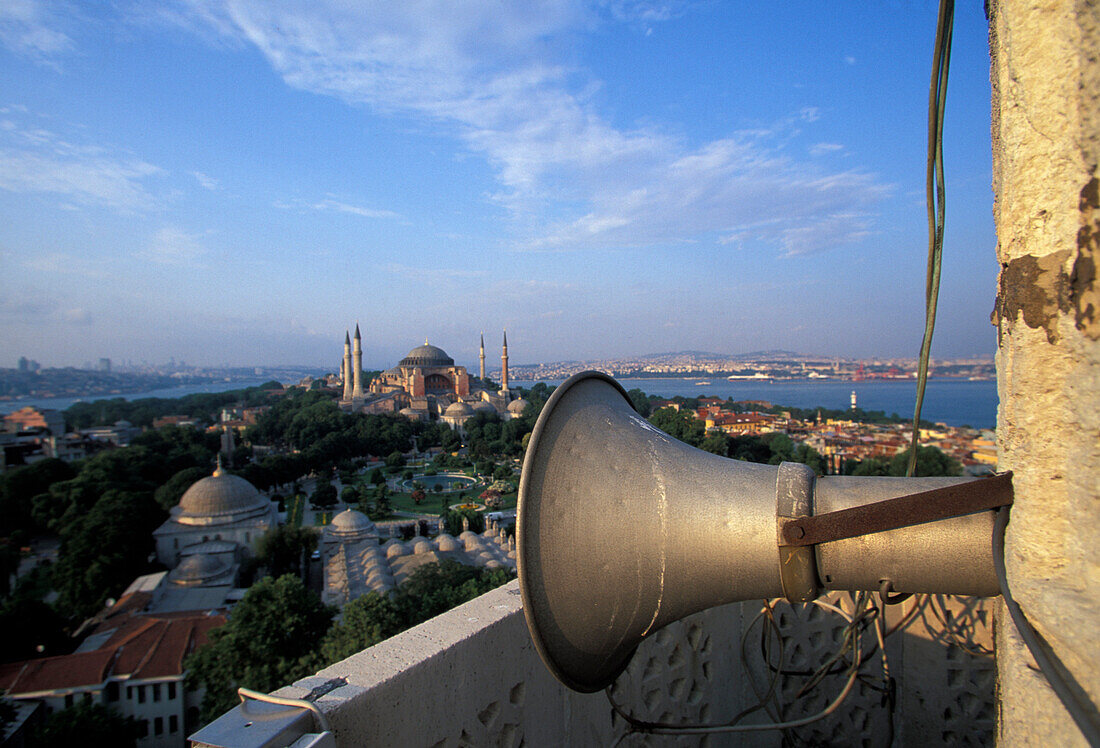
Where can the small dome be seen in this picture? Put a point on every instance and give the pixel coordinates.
(379, 576)
(395, 548)
(458, 410)
(446, 542)
(219, 497)
(427, 355)
(199, 568)
(351, 522)
(517, 406)
(484, 406)
(422, 546)
(408, 413)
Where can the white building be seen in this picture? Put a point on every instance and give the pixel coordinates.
(221, 507)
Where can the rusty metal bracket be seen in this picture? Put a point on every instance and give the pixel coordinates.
(903, 511)
(794, 491)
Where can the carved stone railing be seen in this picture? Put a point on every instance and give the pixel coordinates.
(472, 677)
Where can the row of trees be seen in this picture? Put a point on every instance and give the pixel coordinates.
(142, 412)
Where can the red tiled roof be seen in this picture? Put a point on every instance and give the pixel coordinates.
(141, 647)
(64, 671)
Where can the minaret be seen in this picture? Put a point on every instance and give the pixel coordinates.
(481, 358)
(357, 364)
(347, 366)
(504, 365)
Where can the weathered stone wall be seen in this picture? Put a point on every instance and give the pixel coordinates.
(472, 677)
(1046, 133)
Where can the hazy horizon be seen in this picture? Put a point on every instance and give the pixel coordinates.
(239, 183)
(491, 362)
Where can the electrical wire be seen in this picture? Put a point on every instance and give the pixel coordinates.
(1083, 714)
(863, 613)
(936, 197)
(248, 693)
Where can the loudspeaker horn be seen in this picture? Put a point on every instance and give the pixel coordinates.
(622, 529)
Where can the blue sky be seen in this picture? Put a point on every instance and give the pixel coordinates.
(239, 182)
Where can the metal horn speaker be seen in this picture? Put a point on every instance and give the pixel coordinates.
(622, 530)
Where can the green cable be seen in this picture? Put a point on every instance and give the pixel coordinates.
(936, 200)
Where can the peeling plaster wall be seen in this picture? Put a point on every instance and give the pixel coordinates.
(1046, 128)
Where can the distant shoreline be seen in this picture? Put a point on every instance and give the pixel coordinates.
(164, 393)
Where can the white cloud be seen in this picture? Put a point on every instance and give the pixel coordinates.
(207, 182)
(31, 28)
(355, 210)
(493, 75)
(825, 233)
(37, 160)
(820, 149)
(339, 206)
(172, 245)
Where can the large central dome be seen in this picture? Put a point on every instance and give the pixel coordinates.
(427, 355)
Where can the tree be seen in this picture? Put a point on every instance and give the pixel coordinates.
(502, 472)
(679, 424)
(641, 403)
(324, 495)
(171, 492)
(450, 441)
(872, 466)
(717, 443)
(28, 623)
(103, 550)
(349, 495)
(395, 461)
(364, 622)
(271, 639)
(418, 496)
(453, 520)
(382, 507)
(930, 461)
(92, 725)
(282, 549)
(377, 478)
(20, 485)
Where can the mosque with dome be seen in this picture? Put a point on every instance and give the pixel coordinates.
(426, 385)
(215, 527)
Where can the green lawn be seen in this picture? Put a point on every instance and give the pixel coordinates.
(294, 507)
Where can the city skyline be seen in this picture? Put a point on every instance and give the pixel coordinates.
(240, 183)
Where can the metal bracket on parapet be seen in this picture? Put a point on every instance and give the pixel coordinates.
(904, 511)
(794, 491)
(265, 721)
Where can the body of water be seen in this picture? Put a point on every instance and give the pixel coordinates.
(61, 403)
(956, 402)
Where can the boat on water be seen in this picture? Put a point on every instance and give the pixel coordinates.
(697, 384)
(757, 377)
